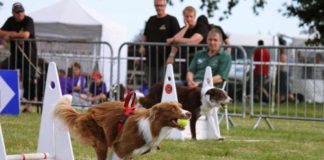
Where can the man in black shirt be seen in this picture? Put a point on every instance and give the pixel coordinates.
(23, 52)
(158, 28)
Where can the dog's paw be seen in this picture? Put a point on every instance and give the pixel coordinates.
(220, 139)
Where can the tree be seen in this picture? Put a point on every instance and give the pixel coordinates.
(311, 15)
(309, 12)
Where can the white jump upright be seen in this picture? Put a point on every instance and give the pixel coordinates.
(213, 131)
(170, 94)
(54, 137)
(3, 153)
(54, 141)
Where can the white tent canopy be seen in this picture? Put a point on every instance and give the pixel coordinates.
(252, 39)
(70, 20)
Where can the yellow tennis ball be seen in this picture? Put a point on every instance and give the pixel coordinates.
(182, 122)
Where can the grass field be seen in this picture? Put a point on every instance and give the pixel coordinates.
(290, 140)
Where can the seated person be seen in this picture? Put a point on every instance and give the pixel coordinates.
(76, 83)
(98, 89)
(62, 79)
(219, 60)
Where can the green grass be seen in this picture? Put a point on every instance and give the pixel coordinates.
(290, 140)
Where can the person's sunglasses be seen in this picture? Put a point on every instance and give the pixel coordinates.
(160, 5)
(19, 12)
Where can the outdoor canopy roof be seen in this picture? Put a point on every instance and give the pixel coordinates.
(70, 20)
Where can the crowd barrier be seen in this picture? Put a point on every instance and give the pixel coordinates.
(91, 56)
(295, 94)
(293, 88)
(141, 77)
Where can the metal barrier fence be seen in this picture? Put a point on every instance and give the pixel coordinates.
(31, 58)
(294, 86)
(145, 70)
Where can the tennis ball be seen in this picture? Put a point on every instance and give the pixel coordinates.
(182, 122)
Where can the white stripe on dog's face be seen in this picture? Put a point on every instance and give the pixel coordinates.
(228, 99)
(186, 113)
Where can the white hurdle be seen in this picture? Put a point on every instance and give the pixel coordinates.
(4, 156)
(54, 139)
(213, 129)
(170, 94)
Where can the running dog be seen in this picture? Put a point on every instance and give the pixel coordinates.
(143, 130)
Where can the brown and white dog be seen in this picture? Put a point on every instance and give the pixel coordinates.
(143, 130)
(195, 100)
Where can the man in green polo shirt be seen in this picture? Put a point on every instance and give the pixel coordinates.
(217, 59)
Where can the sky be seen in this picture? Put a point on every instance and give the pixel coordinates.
(134, 13)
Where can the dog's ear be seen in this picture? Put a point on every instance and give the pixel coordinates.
(154, 112)
(210, 92)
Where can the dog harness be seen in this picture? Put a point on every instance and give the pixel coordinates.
(129, 107)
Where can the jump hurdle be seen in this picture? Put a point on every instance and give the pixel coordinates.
(170, 94)
(203, 128)
(54, 141)
(213, 130)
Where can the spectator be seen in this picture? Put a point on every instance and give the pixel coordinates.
(62, 79)
(261, 71)
(282, 80)
(217, 59)
(191, 33)
(157, 29)
(204, 20)
(23, 53)
(76, 83)
(98, 89)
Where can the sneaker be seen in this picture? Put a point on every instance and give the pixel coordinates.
(27, 109)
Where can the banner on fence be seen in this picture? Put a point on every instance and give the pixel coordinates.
(9, 95)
